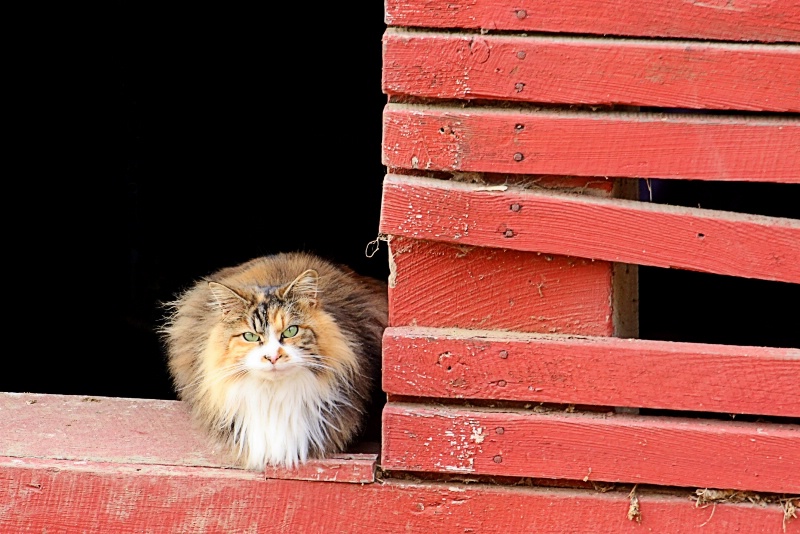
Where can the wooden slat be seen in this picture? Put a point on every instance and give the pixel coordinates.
(678, 74)
(608, 229)
(354, 468)
(637, 145)
(610, 448)
(462, 364)
(63, 496)
(442, 285)
(140, 431)
(742, 20)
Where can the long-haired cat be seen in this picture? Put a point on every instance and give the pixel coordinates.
(278, 357)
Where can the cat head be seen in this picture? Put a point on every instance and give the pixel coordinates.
(273, 333)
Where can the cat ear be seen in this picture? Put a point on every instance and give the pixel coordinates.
(226, 299)
(304, 287)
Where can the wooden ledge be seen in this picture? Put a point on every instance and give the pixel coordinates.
(136, 432)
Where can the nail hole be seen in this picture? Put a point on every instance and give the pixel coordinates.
(701, 236)
(519, 127)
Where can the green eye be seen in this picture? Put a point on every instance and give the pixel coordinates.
(290, 332)
(250, 336)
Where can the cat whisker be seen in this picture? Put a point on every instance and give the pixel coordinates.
(218, 375)
(317, 365)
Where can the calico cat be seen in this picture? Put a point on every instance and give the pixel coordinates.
(278, 357)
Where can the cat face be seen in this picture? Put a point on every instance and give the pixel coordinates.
(268, 333)
(273, 341)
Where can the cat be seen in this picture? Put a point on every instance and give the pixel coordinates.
(278, 358)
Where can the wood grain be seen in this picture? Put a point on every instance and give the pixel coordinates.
(565, 70)
(140, 431)
(468, 364)
(444, 285)
(742, 20)
(63, 496)
(637, 145)
(606, 229)
(613, 448)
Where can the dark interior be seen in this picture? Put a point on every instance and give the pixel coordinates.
(177, 148)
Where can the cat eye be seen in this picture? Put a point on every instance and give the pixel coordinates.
(250, 336)
(290, 332)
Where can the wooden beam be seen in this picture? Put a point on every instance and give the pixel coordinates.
(469, 364)
(606, 229)
(141, 431)
(39, 495)
(770, 20)
(668, 451)
(635, 145)
(446, 285)
(568, 70)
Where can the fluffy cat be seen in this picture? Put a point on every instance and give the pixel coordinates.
(278, 357)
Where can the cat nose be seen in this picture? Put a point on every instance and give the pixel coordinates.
(272, 358)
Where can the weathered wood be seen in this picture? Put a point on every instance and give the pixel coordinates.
(568, 70)
(607, 229)
(65, 496)
(141, 431)
(468, 364)
(355, 468)
(668, 451)
(637, 145)
(742, 20)
(444, 285)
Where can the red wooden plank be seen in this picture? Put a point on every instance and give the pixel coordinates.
(141, 431)
(638, 145)
(608, 229)
(356, 468)
(62, 496)
(742, 20)
(104, 429)
(462, 364)
(610, 448)
(438, 284)
(592, 71)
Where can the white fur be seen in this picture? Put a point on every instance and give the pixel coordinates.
(280, 411)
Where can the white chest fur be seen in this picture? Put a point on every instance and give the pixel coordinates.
(281, 422)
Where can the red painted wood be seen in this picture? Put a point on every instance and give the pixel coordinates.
(63, 496)
(141, 431)
(668, 451)
(442, 285)
(637, 145)
(104, 429)
(592, 71)
(356, 468)
(742, 20)
(463, 364)
(608, 229)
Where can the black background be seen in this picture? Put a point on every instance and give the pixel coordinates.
(175, 142)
